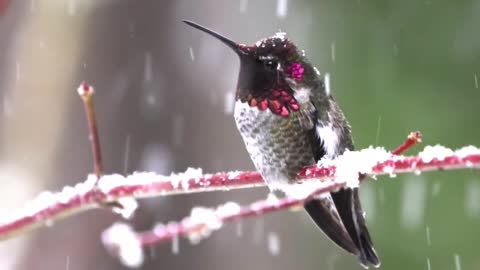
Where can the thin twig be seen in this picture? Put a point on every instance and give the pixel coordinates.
(412, 139)
(86, 92)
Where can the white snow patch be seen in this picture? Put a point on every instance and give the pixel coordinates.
(48, 199)
(67, 193)
(351, 163)
(182, 179)
(228, 209)
(111, 181)
(389, 170)
(233, 174)
(121, 241)
(211, 218)
(127, 208)
(158, 229)
(178, 180)
(348, 167)
(439, 152)
(207, 217)
(281, 35)
(467, 151)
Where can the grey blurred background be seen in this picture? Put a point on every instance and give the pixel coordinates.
(164, 103)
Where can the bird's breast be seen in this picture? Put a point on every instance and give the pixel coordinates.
(278, 146)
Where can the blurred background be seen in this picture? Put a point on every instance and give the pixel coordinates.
(164, 103)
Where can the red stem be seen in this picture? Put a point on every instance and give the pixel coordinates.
(186, 226)
(86, 91)
(389, 166)
(111, 187)
(412, 139)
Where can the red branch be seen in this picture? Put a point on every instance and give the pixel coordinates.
(49, 206)
(196, 226)
(335, 174)
(412, 139)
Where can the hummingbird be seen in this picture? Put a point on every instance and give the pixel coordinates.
(288, 120)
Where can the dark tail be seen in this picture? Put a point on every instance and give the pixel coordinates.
(325, 215)
(340, 217)
(348, 205)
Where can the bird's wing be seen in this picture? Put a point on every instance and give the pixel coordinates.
(346, 201)
(323, 211)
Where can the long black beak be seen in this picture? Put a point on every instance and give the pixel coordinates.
(230, 43)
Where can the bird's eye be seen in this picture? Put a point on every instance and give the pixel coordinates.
(271, 64)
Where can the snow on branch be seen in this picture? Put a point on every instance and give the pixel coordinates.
(117, 190)
(330, 175)
(119, 193)
(344, 170)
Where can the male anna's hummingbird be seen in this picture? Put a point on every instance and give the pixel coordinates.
(289, 120)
